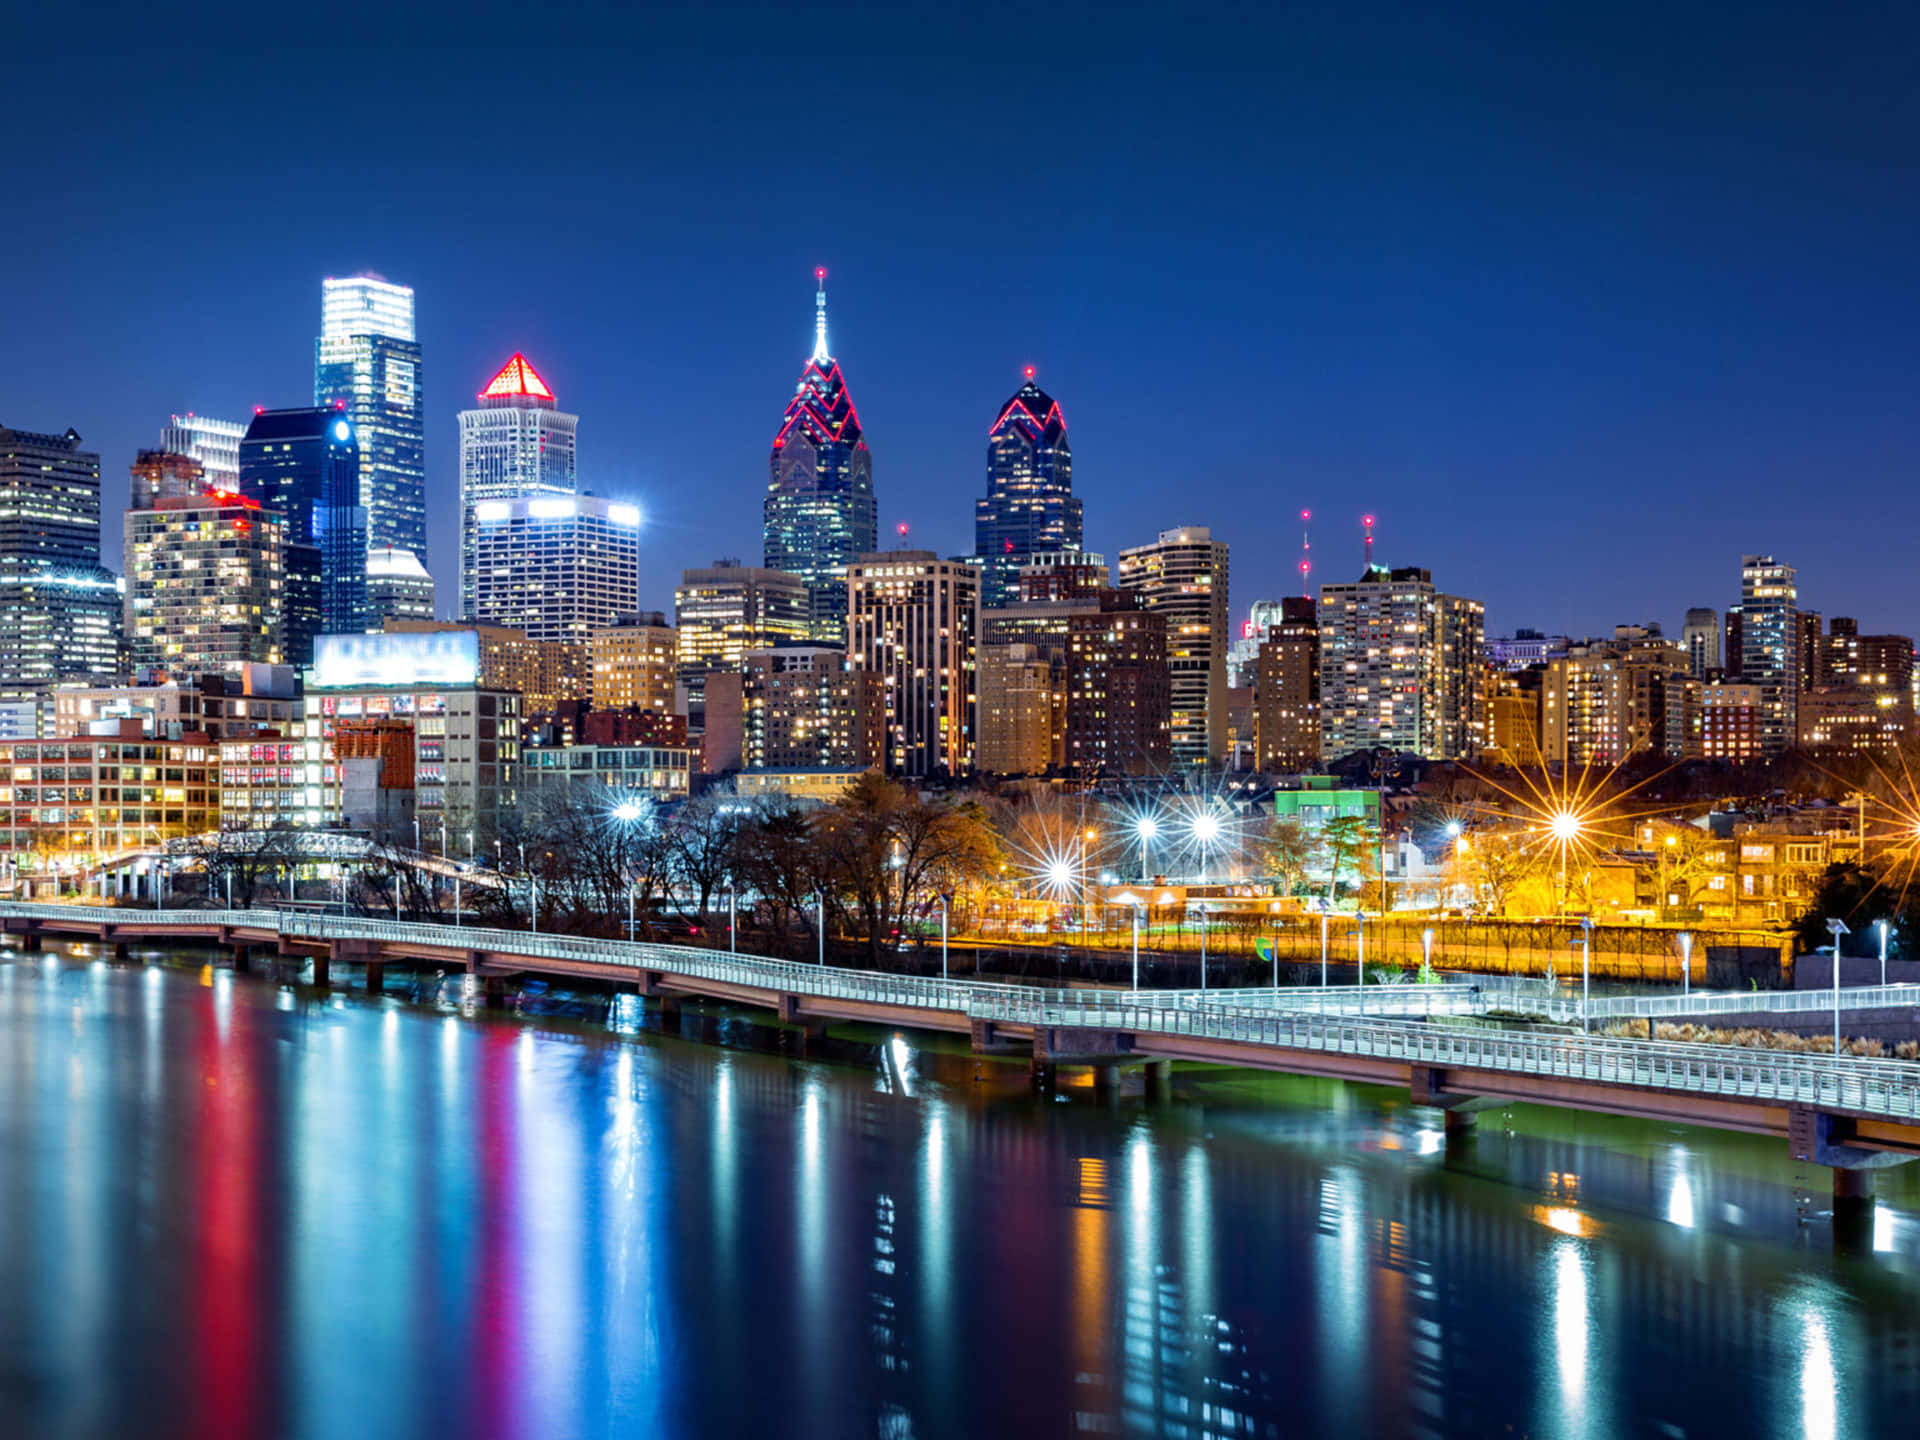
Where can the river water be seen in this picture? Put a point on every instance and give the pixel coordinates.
(231, 1208)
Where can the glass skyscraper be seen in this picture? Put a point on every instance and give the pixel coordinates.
(305, 466)
(214, 443)
(1030, 507)
(368, 358)
(820, 514)
(59, 610)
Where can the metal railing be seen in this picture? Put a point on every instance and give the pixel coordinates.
(1328, 1021)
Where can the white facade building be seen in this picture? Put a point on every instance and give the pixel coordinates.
(558, 567)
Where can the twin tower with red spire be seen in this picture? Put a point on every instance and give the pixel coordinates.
(820, 514)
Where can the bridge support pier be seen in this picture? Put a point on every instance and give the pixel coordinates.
(1160, 1080)
(669, 1007)
(30, 940)
(322, 969)
(1458, 1123)
(1106, 1084)
(981, 1036)
(122, 950)
(242, 959)
(494, 989)
(376, 977)
(1040, 1073)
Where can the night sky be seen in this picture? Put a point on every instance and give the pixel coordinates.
(1583, 306)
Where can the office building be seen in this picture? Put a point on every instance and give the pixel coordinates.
(466, 733)
(1243, 655)
(1029, 507)
(609, 775)
(1286, 691)
(140, 792)
(636, 663)
(236, 703)
(1770, 637)
(1702, 635)
(518, 444)
(163, 475)
(726, 609)
(1525, 647)
(398, 586)
(214, 443)
(1400, 667)
(205, 584)
(911, 618)
(58, 626)
(49, 503)
(558, 567)
(1183, 576)
(304, 466)
(1733, 722)
(820, 513)
(367, 358)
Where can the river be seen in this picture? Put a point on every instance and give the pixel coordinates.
(234, 1208)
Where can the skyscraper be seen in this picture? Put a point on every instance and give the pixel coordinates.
(1400, 667)
(820, 514)
(558, 567)
(1029, 506)
(726, 609)
(367, 356)
(304, 466)
(58, 607)
(49, 502)
(1770, 647)
(1286, 702)
(517, 444)
(911, 618)
(214, 443)
(1183, 576)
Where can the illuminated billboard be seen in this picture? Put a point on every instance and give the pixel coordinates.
(428, 657)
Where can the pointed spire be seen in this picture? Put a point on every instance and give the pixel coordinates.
(821, 354)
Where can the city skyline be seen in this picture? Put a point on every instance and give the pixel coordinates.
(1417, 322)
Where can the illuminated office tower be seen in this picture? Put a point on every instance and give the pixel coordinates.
(557, 567)
(162, 475)
(214, 443)
(304, 466)
(820, 514)
(1029, 507)
(49, 503)
(517, 444)
(1400, 667)
(398, 586)
(726, 609)
(368, 358)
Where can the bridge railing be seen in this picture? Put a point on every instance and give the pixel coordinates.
(1758, 1002)
(1876, 1087)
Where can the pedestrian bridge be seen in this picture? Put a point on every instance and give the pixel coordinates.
(1854, 1114)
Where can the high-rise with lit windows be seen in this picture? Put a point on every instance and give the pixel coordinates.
(516, 444)
(1770, 648)
(205, 583)
(1183, 576)
(558, 567)
(912, 618)
(820, 514)
(368, 358)
(1400, 667)
(214, 443)
(58, 607)
(1029, 507)
(304, 465)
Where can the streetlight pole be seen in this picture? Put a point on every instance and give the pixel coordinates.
(733, 919)
(820, 930)
(1426, 956)
(1685, 937)
(1323, 949)
(396, 894)
(629, 912)
(1586, 968)
(1883, 953)
(944, 898)
(1136, 944)
(1203, 945)
(1838, 927)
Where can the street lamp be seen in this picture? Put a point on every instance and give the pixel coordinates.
(820, 930)
(1566, 829)
(946, 899)
(1685, 937)
(1883, 952)
(1146, 827)
(1586, 966)
(1206, 829)
(1133, 903)
(1203, 944)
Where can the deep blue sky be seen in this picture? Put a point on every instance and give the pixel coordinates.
(1582, 306)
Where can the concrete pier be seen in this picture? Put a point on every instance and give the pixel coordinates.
(1160, 1080)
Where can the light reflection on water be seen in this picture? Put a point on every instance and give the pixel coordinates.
(283, 1215)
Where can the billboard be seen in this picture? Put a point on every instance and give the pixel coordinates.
(423, 657)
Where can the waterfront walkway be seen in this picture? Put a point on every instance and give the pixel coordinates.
(1853, 1114)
